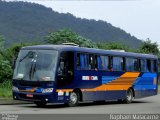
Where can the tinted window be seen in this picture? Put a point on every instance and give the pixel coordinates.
(132, 64)
(86, 61)
(82, 61)
(144, 65)
(117, 63)
(102, 62)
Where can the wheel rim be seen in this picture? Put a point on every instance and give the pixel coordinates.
(73, 98)
(129, 95)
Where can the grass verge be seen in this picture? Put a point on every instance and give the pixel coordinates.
(6, 89)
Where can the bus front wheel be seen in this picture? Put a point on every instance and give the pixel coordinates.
(73, 99)
(129, 96)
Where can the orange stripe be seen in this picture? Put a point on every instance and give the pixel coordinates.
(64, 90)
(32, 90)
(124, 82)
(130, 74)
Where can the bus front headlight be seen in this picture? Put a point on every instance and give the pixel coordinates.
(47, 90)
(15, 89)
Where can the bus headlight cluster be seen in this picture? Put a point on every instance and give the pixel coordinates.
(47, 90)
(15, 89)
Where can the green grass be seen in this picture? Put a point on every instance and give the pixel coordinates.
(6, 89)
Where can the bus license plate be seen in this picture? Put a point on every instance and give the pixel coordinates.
(29, 95)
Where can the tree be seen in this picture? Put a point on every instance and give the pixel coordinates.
(5, 67)
(66, 35)
(113, 46)
(149, 47)
(1, 41)
(1, 44)
(5, 70)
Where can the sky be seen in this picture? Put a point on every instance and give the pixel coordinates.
(140, 18)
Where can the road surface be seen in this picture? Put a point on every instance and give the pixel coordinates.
(145, 105)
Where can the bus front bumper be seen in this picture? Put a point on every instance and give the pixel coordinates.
(44, 97)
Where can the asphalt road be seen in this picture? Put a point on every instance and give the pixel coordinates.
(145, 105)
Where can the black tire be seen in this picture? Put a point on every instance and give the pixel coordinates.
(40, 103)
(129, 96)
(73, 99)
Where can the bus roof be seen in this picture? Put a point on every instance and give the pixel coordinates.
(89, 50)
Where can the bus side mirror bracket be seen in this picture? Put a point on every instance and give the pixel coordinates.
(14, 62)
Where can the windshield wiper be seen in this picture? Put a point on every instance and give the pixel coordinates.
(30, 54)
(32, 69)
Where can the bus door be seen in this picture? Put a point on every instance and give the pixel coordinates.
(65, 69)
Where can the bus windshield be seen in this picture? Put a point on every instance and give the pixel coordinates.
(36, 65)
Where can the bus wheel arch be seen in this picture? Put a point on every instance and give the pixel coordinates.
(77, 90)
(129, 95)
(132, 91)
(75, 97)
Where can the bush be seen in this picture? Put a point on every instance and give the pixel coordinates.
(6, 89)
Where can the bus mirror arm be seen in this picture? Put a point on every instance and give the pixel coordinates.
(14, 62)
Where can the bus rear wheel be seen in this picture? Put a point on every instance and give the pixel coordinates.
(129, 96)
(73, 99)
(40, 103)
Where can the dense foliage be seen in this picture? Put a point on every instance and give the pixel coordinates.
(28, 22)
(113, 46)
(149, 47)
(68, 36)
(5, 68)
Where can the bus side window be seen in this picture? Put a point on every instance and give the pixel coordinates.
(118, 64)
(132, 64)
(80, 61)
(143, 65)
(102, 62)
(99, 63)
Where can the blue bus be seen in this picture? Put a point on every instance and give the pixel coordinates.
(71, 74)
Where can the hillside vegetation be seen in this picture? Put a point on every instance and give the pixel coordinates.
(26, 22)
